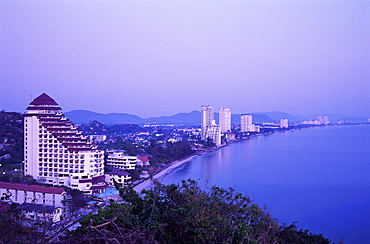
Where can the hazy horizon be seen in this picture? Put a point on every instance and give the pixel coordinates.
(160, 58)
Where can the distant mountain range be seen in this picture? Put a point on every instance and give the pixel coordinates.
(194, 117)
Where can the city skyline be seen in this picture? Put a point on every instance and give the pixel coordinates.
(162, 58)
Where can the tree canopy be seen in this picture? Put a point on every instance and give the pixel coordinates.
(184, 213)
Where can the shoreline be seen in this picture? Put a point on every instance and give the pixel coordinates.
(147, 184)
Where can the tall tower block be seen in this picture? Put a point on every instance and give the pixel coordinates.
(207, 118)
(225, 119)
(246, 123)
(56, 153)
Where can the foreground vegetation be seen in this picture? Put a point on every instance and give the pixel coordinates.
(184, 213)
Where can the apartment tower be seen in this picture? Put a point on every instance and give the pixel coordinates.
(213, 132)
(246, 123)
(56, 153)
(284, 123)
(224, 115)
(207, 118)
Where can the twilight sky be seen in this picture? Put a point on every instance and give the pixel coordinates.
(154, 58)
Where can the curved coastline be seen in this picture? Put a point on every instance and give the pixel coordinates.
(147, 184)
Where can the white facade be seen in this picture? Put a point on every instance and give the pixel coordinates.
(21, 193)
(56, 152)
(225, 119)
(98, 138)
(119, 175)
(40, 212)
(207, 118)
(214, 133)
(246, 124)
(37, 202)
(121, 161)
(284, 123)
(323, 120)
(310, 122)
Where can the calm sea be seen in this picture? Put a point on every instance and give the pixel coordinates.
(319, 177)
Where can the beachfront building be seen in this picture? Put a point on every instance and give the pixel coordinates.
(246, 124)
(323, 120)
(118, 159)
(230, 137)
(310, 122)
(119, 175)
(36, 202)
(213, 132)
(284, 123)
(224, 115)
(143, 161)
(207, 118)
(56, 152)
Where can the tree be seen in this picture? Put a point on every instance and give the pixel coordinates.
(183, 213)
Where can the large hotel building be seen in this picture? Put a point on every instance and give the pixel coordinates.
(56, 152)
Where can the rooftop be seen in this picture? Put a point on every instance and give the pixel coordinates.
(34, 188)
(116, 171)
(43, 99)
(36, 207)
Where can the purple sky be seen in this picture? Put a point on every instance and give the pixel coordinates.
(153, 58)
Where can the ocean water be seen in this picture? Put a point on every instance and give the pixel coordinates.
(319, 177)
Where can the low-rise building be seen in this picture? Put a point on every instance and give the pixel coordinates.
(230, 137)
(143, 161)
(41, 212)
(119, 175)
(118, 159)
(36, 202)
(98, 138)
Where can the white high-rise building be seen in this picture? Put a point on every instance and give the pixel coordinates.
(246, 124)
(323, 120)
(207, 118)
(214, 133)
(56, 153)
(284, 123)
(225, 119)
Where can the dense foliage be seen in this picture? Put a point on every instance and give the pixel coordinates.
(96, 127)
(11, 139)
(169, 152)
(14, 230)
(184, 213)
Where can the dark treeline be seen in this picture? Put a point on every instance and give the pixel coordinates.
(11, 139)
(183, 213)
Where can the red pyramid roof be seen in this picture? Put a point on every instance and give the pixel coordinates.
(43, 99)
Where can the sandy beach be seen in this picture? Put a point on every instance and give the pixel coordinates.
(147, 184)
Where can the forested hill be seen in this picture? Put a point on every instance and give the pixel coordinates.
(11, 139)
